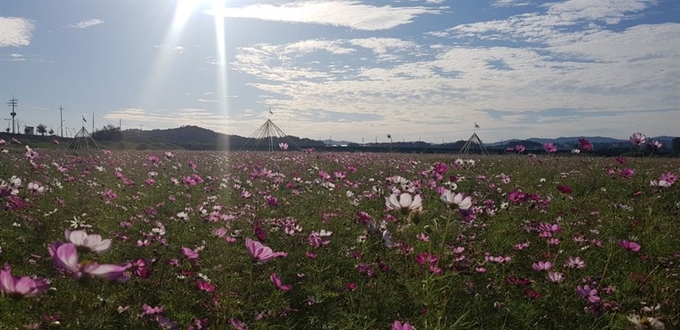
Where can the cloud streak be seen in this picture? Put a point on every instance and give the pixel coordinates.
(87, 23)
(353, 14)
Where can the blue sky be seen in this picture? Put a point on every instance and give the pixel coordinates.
(352, 70)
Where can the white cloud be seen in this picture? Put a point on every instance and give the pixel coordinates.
(510, 3)
(352, 14)
(87, 23)
(604, 71)
(541, 27)
(15, 31)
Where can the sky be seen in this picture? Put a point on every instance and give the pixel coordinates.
(347, 69)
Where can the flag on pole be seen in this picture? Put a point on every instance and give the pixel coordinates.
(476, 126)
(270, 111)
(85, 120)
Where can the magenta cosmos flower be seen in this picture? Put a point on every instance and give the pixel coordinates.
(397, 325)
(629, 245)
(585, 145)
(262, 253)
(277, 281)
(93, 242)
(21, 285)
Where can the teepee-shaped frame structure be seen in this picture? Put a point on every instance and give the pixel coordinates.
(82, 140)
(473, 141)
(269, 135)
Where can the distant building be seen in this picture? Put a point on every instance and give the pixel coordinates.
(30, 130)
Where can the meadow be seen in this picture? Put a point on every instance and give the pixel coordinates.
(311, 240)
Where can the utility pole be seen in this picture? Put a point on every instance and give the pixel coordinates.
(61, 120)
(120, 124)
(92, 121)
(13, 103)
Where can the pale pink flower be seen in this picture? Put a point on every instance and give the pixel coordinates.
(656, 144)
(262, 253)
(93, 242)
(21, 285)
(65, 256)
(638, 139)
(542, 265)
(555, 277)
(575, 262)
(455, 200)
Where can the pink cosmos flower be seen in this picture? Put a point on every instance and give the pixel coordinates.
(205, 286)
(520, 148)
(93, 242)
(283, 145)
(429, 258)
(277, 281)
(189, 253)
(397, 325)
(585, 145)
(629, 245)
(238, 324)
(638, 139)
(656, 144)
(555, 277)
(587, 293)
(542, 265)
(440, 168)
(262, 253)
(627, 173)
(549, 148)
(669, 177)
(272, 201)
(65, 256)
(21, 285)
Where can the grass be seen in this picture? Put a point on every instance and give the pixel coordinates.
(355, 281)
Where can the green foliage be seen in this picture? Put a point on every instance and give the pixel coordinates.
(676, 146)
(331, 288)
(108, 133)
(41, 129)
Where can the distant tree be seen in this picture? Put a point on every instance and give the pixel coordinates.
(7, 129)
(42, 129)
(108, 133)
(51, 132)
(676, 146)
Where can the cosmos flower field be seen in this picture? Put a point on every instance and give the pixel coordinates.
(315, 240)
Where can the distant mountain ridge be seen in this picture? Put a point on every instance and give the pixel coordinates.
(198, 138)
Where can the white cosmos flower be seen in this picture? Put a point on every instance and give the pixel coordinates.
(404, 201)
(660, 183)
(459, 200)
